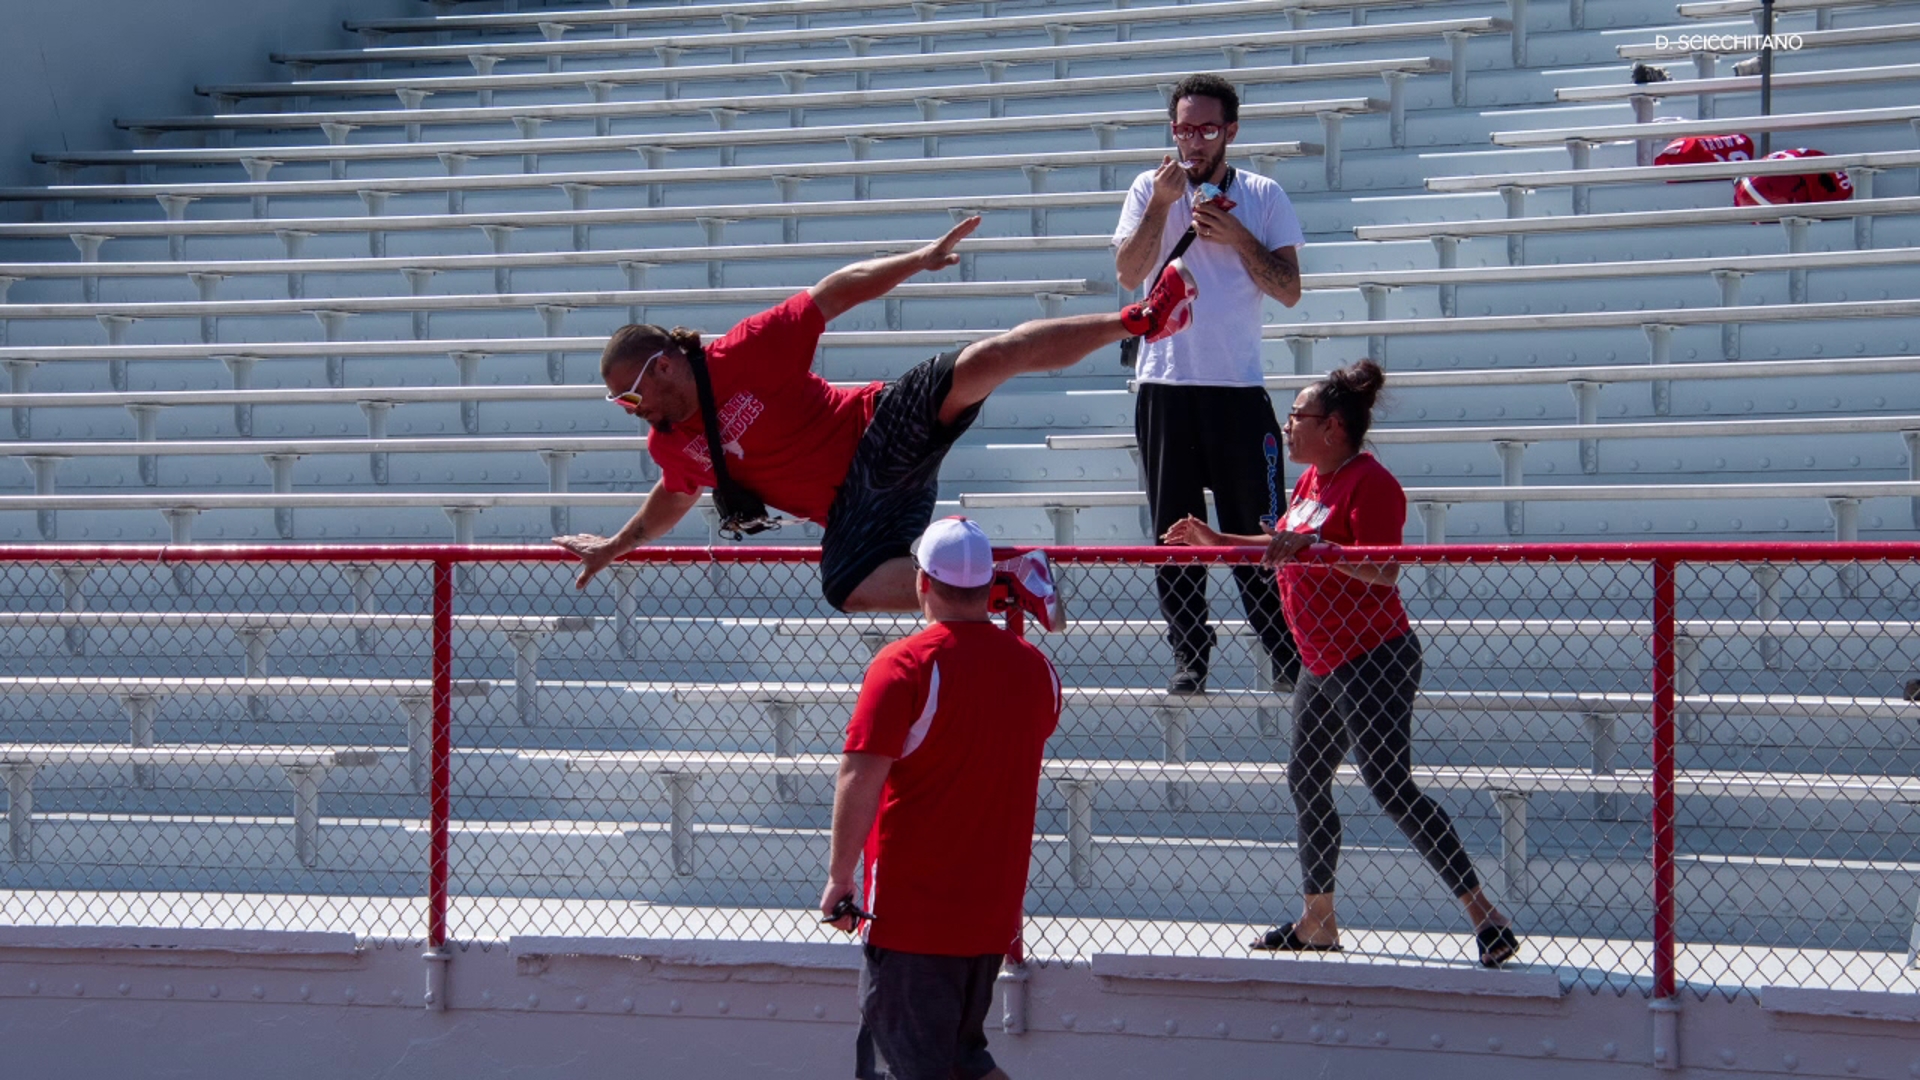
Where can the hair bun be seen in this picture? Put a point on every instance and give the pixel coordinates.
(687, 341)
(1362, 379)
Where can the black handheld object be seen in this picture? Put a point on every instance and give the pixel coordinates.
(844, 907)
(1130, 348)
(742, 513)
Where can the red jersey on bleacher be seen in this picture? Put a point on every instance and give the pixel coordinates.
(1335, 616)
(964, 709)
(790, 435)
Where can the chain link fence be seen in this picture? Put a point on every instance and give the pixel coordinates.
(227, 740)
(221, 744)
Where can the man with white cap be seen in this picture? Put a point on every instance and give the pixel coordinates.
(937, 789)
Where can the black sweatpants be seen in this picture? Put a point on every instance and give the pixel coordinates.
(1224, 438)
(1366, 704)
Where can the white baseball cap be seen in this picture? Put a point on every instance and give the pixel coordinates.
(955, 551)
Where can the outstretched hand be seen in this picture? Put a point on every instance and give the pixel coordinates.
(940, 254)
(596, 554)
(1193, 532)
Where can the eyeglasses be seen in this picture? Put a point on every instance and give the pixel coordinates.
(630, 400)
(1296, 414)
(1203, 132)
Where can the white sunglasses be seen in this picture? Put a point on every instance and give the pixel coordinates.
(632, 394)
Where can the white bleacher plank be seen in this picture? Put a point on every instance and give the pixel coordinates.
(304, 767)
(1677, 429)
(1640, 219)
(1595, 320)
(1477, 275)
(1742, 84)
(1451, 276)
(685, 140)
(1663, 174)
(1051, 55)
(286, 757)
(1705, 782)
(1666, 130)
(559, 219)
(494, 346)
(1815, 629)
(749, 103)
(1720, 9)
(565, 16)
(1611, 373)
(304, 395)
(645, 45)
(209, 686)
(757, 295)
(1812, 39)
(1809, 706)
(1836, 489)
(600, 257)
(1262, 153)
(294, 620)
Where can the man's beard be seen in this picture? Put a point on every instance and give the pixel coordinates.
(1208, 165)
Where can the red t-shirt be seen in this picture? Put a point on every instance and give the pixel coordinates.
(1334, 616)
(789, 434)
(964, 709)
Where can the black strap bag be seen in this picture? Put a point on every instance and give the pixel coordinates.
(742, 513)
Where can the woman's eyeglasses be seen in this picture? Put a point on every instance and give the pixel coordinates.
(630, 399)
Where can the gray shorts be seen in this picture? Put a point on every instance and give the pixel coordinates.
(887, 498)
(924, 1017)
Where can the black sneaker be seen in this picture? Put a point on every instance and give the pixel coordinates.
(1644, 73)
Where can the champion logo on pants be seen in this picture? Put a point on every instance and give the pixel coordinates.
(1271, 446)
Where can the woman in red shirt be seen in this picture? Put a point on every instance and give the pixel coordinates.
(1359, 655)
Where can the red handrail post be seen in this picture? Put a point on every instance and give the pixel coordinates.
(440, 786)
(1663, 759)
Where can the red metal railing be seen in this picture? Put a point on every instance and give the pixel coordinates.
(1663, 559)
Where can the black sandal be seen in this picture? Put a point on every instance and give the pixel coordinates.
(1285, 939)
(1498, 944)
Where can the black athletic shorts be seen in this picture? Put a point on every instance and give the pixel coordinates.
(887, 499)
(924, 1017)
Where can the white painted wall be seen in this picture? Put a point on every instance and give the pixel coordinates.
(68, 67)
(719, 1011)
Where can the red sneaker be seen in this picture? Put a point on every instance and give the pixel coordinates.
(1026, 581)
(1168, 308)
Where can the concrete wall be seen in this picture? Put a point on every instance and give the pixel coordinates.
(68, 67)
(193, 1005)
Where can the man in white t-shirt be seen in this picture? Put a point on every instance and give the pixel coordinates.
(1203, 418)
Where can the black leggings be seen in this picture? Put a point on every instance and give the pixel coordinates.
(1366, 703)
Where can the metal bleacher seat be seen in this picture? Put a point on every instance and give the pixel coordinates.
(1706, 52)
(619, 18)
(1578, 140)
(1393, 70)
(553, 47)
(304, 767)
(1102, 125)
(1235, 47)
(1720, 9)
(1643, 96)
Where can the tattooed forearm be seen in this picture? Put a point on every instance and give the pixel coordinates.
(1276, 273)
